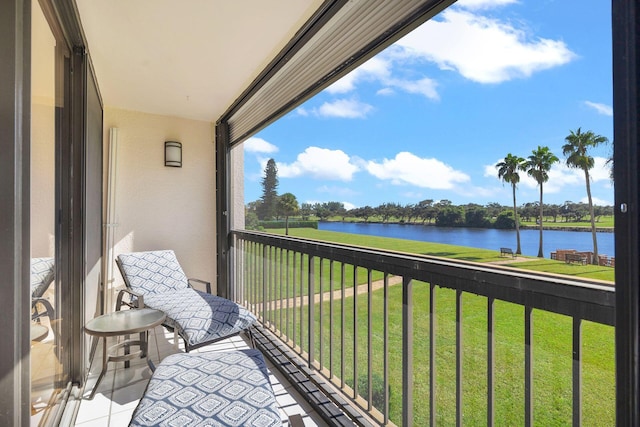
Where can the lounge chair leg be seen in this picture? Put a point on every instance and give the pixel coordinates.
(252, 340)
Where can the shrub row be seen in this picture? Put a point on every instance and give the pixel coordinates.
(292, 224)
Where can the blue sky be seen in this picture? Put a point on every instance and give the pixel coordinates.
(430, 116)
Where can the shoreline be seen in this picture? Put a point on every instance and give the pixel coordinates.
(522, 227)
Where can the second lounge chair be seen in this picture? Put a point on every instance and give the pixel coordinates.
(156, 280)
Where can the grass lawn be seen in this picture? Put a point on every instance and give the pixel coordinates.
(552, 357)
(602, 222)
(451, 251)
(552, 340)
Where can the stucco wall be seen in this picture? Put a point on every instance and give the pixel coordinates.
(160, 207)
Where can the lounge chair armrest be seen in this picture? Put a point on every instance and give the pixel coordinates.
(137, 299)
(204, 282)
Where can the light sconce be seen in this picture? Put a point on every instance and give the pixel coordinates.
(173, 154)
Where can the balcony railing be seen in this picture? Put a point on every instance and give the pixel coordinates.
(417, 340)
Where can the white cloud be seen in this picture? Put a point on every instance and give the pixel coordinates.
(605, 110)
(320, 163)
(425, 86)
(597, 201)
(560, 175)
(385, 91)
(482, 49)
(379, 69)
(601, 170)
(348, 206)
(338, 191)
(258, 145)
(344, 108)
(483, 4)
(407, 168)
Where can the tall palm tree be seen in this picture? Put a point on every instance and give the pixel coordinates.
(576, 152)
(538, 165)
(508, 172)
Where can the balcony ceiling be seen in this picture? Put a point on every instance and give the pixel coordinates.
(186, 59)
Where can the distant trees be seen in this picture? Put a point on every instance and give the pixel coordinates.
(508, 172)
(576, 152)
(537, 166)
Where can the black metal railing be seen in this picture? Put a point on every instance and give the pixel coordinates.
(415, 340)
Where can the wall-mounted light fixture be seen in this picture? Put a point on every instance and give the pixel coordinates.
(173, 154)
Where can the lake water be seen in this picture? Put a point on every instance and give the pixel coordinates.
(486, 238)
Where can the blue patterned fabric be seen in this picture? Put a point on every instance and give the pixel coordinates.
(153, 272)
(228, 388)
(199, 317)
(42, 272)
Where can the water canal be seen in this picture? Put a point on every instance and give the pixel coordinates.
(485, 238)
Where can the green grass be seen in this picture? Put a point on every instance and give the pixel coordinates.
(603, 222)
(552, 377)
(451, 251)
(552, 357)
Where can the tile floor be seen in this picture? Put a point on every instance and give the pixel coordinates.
(121, 389)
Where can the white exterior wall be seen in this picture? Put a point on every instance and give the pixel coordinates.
(237, 187)
(160, 207)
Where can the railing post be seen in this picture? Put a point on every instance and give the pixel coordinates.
(407, 351)
(311, 305)
(491, 361)
(265, 280)
(459, 358)
(577, 372)
(528, 366)
(432, 354)
(355, 331)
(385, 344)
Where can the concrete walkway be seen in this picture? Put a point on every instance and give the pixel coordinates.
(337, 295)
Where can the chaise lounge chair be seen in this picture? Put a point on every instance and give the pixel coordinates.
(228, 388)
(42, 275)
(155, 279)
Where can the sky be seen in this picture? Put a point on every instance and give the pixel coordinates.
(431, 116)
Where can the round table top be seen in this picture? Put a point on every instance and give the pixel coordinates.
(38, 331)
(125, 322)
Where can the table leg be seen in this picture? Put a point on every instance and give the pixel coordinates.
(146, 350)
(104, 368)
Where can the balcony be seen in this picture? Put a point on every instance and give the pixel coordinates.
(365, 356)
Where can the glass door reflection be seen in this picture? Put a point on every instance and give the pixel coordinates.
(47, 371)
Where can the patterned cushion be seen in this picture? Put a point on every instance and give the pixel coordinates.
(209, 389)
(42, 272)
(153, 272)
(200, 317)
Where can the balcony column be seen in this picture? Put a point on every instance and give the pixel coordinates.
(15, 123)
(626, 94)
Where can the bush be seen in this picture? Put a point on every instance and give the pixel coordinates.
(251, 221)
(505, 221)
(450, 217)
(377, 392)
(292, 224)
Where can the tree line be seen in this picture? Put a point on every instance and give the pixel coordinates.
(445, 213)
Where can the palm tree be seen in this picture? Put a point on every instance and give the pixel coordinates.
(508, 172)
(576, 152)
(287, 206)
(537, 166)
